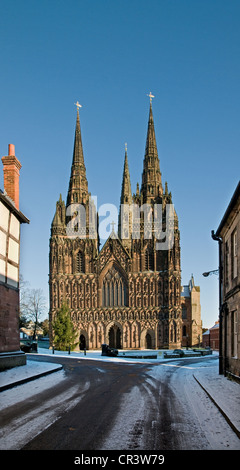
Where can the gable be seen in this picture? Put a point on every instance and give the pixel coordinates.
(113, 250)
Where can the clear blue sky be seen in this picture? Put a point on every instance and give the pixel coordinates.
(109, 55)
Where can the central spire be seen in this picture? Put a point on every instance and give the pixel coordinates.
(151, 176)
(78, 185)
(78, 150)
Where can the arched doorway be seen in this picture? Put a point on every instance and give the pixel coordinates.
(148, 341)
(82, 343)
(114, 337)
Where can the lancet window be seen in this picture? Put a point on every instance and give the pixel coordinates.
(149, 261)
(80, 264)
(114, 291)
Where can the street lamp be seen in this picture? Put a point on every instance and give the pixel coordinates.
(209, 273)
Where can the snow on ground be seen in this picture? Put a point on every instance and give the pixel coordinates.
(33, 368)
(225, 393)
(23, 373)
(33, 422)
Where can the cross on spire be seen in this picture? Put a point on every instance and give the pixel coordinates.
(78, 105)
(112, 224)
(151, 96)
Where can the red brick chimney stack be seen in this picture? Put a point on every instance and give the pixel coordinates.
(11, 168)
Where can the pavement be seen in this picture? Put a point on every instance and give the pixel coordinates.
(223, 392)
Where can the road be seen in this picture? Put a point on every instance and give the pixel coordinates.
(106, 405)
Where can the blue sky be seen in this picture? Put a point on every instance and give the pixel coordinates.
(109, 55)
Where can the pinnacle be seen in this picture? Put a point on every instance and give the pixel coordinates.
(126, 194)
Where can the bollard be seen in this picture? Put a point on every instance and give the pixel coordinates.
(53, 350)
(69, 350)
(84, 351)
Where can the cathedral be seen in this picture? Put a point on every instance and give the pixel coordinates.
(128, 294)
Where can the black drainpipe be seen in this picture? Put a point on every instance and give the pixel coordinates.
(219, 240)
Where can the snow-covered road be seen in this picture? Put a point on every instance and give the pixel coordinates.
(88, 405)
(171, 411)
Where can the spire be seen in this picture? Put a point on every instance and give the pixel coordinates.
(151, 145)
(126, 194)
(125, 218)
(78, 185)
(78, 150)
(151, 176)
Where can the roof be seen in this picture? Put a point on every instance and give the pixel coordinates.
(229, 209)
(30, 331)
(185, 292)
(10, 205)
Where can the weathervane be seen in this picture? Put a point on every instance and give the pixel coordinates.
(78, 105)
(151, 96)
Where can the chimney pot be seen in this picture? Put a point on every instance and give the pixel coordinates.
(11, 149)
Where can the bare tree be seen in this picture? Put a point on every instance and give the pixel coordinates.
(23, 294)
(33, 306)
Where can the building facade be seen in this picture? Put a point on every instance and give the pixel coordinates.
(191, 315)
(210, 338)
(228, 237)
(128, 294)
(10, 220)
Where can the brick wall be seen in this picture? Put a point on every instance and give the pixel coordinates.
(9, 319)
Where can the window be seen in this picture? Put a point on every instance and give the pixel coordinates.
(149, 261)
(234, 334)
(234, 254)
(114, 292)
(184, 313)
(80, 265)
(226, 263)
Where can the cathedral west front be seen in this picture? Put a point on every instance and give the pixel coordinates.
(128, 294)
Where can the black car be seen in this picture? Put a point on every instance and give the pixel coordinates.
(28, 347)
(107, 351)
(179, 351)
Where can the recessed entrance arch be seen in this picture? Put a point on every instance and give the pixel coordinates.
(82, 342)
(148, 341)
(114, 337)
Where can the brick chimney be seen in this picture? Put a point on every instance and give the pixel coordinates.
(11, 168)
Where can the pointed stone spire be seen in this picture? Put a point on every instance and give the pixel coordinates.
(78, 185)
(151, 176)
(125, 216)
(78, 150)
(151, 145)
(126, 194)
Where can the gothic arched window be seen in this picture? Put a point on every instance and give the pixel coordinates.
(80, 264)
(149, 262)
(114, 291)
